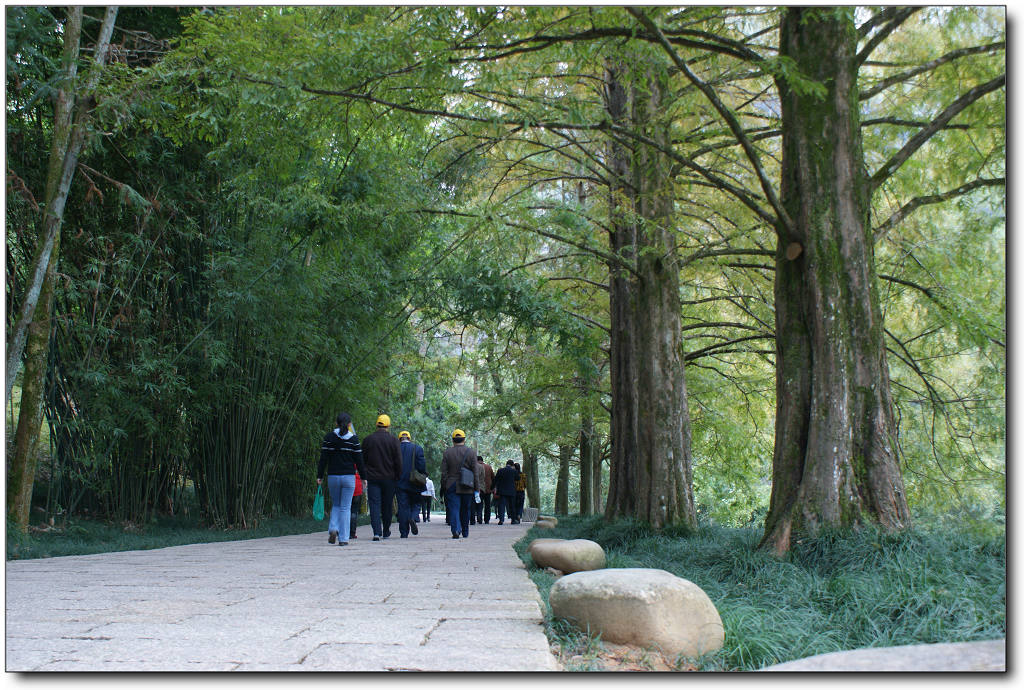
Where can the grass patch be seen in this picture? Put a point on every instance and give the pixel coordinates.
(835, 592)
(79, 537)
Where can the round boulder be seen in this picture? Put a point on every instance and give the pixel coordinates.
(549, 518)
(544, 524)
(645, 607)
(568, 555)
(539, 542)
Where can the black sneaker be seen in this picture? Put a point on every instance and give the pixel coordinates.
(376, 538)
(414, 528)
(332, 537)
(342, 543)
(455, 536)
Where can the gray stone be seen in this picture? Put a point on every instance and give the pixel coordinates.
(568, 555)
(644, 607)
(285, 603)
(955, 656)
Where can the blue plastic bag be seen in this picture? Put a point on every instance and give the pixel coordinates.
(318, 504)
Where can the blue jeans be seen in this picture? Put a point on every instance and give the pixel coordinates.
(407, 504)
(380, 493)
(341, 487)
(459, 505)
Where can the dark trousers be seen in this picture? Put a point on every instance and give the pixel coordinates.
(406, 506)
(520, 502)
(381, 494)
(481, 512)
(425, 502)
(506, 504)
(357, 505)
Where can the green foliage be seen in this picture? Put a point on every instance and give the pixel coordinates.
(836, 592)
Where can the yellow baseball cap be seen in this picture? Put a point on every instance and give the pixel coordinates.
(405, 434)
(383, 420)
(458, 433)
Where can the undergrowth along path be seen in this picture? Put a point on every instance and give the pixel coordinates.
(426, 603)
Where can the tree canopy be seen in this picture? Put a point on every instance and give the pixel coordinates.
(621, 242)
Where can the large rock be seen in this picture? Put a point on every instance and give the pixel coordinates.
(548, 518)
(567, 555)
(640, 606)
(540, 542)
(957, 656)
(544, 524)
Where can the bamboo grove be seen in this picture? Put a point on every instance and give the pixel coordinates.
(744, 264)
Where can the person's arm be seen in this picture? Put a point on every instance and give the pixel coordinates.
(322, 465)
(357, 456)
(396, 458)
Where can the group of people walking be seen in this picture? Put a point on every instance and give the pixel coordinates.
(391, 470)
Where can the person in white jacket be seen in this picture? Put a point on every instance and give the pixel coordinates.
(427, 499)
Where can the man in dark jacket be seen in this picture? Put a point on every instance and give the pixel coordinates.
(383, 459)
(505, 485)
(408, 494)
(457, 495)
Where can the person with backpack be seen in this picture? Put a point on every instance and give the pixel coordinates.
(408, 493)
(341, 456)
(459, 482)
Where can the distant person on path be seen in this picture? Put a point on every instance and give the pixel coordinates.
(520, 494)
(505, 485)
(341, 456)
(383, 459)
(481, 512)
(458, 495)
(427, 499)
(357, 505)
(409, 495)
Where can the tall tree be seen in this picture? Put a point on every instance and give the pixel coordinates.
(651, 468)
(835, 457)
(31, 335)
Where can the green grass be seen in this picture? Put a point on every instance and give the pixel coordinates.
(80, 537)
(831, 593)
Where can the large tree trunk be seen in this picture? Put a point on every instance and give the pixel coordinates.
(586, 464)
(651, 464)
(532, 472)
(835, 458)
(562, 485)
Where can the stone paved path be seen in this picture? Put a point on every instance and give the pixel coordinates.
(426, 603)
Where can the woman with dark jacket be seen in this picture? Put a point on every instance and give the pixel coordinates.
(341, 456)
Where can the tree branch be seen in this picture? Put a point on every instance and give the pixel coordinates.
(928, 66)
(919, 139)
(724, 112)
(916, 203)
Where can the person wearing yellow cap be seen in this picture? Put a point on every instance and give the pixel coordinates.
(383, 459)
(459, 482)
(408, 493)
